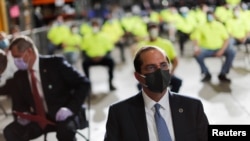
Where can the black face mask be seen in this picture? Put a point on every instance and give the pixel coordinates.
(158, 81)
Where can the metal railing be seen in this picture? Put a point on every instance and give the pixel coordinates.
(39, 36)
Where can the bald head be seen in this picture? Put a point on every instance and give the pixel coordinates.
(138, 59)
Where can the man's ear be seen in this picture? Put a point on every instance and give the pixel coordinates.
(30, 50)
(138, 77)
(136, 74)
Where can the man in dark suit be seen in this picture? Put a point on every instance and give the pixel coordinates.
(61, 88)
(133, 119)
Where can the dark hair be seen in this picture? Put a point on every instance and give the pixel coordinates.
(209, 12)
(138, 60)
(152, 25)
(22, 43)
(95, 22)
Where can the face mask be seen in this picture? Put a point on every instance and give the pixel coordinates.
(75, 30)
(237, 14)
(210, 18)
(20, 64)
(157, 81)
(153, 33)
(4, 44)
(96, 29)
(145, 19)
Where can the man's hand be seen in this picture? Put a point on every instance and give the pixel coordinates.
(23, 121)
(63, 113)
(197, 50)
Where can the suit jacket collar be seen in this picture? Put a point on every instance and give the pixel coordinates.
(137, 111)
(177, 112)
(43, 68)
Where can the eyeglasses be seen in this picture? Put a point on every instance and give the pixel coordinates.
(153, 67)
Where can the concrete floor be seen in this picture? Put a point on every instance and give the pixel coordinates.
(223, 103)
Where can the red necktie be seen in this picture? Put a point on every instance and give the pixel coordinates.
(38, 101)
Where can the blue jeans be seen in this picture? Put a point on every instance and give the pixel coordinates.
(229, 56)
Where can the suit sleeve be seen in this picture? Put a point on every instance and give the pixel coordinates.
(202, 123)
(79, 85)
(112, 132)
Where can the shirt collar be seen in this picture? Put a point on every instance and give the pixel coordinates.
(149, 103)
(36, 64)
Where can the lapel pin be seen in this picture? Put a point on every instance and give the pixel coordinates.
(50, 86)
(180, 110)
(44, 70)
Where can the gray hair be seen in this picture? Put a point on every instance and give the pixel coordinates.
(23, 42)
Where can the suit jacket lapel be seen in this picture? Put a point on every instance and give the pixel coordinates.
(137, 111)
(176, 111)
(43, 71)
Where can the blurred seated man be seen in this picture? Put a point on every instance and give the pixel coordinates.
(71, 46)
(96, 47)
(46, 92)
(185, 25)
(57, 33)
(112, 27)
(211, 39)
(239, 34)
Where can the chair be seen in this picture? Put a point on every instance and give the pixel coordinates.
(246, 52)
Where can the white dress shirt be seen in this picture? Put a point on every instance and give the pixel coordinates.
(165, 112)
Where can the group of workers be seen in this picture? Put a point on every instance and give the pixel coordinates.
(214, 32)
